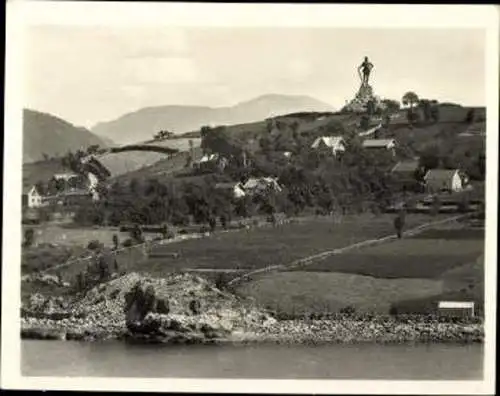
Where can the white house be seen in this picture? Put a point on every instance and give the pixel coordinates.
(260, 185)
(31, 197)
(437, 180)
(335, 144)
(236, 189)
(93, 181)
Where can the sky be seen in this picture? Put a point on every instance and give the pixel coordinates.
(88, 74)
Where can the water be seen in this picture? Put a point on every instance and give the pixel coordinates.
(263, 361)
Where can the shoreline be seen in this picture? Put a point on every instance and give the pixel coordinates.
(281, 332)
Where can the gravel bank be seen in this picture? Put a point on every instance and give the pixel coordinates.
(189, 309)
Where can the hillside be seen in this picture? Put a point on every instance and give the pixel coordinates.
(143, 123)
(446, 134)
(46, 134)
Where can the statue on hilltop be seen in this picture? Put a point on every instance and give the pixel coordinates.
(364, 71)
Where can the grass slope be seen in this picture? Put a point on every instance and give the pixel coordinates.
(46, 134)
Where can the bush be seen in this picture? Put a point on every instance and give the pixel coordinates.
(128, 243)
(29, 237)
(94, 245)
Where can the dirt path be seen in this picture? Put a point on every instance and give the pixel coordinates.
(316, 257)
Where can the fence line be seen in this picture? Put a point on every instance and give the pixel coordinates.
(314, 258)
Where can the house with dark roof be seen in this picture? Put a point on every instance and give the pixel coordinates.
(450, 180)
(388, 145)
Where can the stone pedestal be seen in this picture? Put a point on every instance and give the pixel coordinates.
(360, 101)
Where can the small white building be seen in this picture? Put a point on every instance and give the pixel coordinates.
(31, 197)
(261, 185)
(236, 189)
(450, 180)
(333, 144)
(456, 308)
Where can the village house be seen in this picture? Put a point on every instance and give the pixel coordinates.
(211, 162)
(330, 144)
(31, 197)
(261, 185)
(235, 188)
(380, 145)
(439, 180)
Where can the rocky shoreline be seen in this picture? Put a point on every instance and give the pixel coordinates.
(188, 309)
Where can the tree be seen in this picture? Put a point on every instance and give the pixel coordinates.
(392, 106)
(29, 237)
(364, 123)
(469, 117)
(370, 107)
(410, 98)
(436, 205)
(426, 107)
(435, 113)
(399, 223)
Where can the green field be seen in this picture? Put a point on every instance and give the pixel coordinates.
(261, 247)
(407, 276)
(77, 236)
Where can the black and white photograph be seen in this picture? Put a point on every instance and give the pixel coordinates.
(250, 197)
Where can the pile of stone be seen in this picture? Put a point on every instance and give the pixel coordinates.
(187, 308)
(360, 102)
(373, 330)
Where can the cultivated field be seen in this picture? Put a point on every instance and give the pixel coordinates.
(61, 235)
(261, 247)
(407, 276)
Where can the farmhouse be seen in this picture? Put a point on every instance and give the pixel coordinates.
(235, 188)
(449, 180)
(380, 145)
(31, 197)
(331, 144)
(261, 185)
(456, 308)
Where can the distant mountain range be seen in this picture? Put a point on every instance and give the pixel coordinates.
(47, 135)
(142, 124)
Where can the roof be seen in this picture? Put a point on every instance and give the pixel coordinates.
(256, 182)
(440, 174)
(406, 166)
(209, 157)
(378, 143)
(27, 189)
(65, 176)
(329, 141)
(227, 185)
(456, 304)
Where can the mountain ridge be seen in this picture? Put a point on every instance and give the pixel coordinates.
(141, 124)
(45, 134)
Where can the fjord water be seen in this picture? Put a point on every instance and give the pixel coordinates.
(266, 361)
